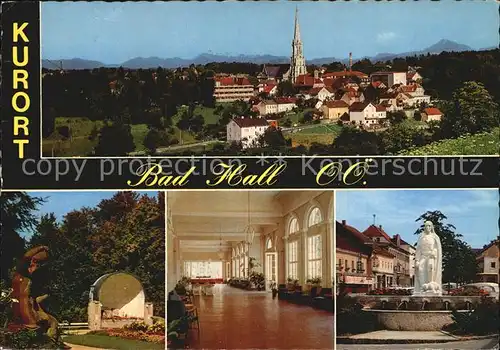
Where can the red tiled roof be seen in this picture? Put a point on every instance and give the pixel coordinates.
(307, 80)
(374, 231)
(336, 104)
(355, 232)
(268, 88)
(345, 74)
(380, 108)
(358, 106)
(250, 122)
(409, 88)
(432, 111)
(388, 95)
(233, 81)
(281, 100)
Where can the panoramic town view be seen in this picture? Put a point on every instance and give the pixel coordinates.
(270, 82)
(422, 270)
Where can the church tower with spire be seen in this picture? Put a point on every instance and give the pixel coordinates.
(297, 61)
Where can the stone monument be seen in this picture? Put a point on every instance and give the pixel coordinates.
(428, 263)
(29, 293)
(117, 299)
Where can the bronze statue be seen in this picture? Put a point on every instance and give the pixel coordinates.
(27, 308)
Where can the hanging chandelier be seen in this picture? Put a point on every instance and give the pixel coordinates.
(249, 231)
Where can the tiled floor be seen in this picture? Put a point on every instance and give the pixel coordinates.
(236, 319)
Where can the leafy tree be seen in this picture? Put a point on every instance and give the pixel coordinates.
(396, 117)
(115, 139)
(152, 140)
(273, 138)
(285, 88)
(352, 141)
(365, 66)
(371, 94)
(335, 67)
(459, 260)
(473, 111)
(287, 123)
(17, 213)
(94, 133)
(400, 137)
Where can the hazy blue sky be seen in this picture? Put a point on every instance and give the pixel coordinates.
(60, 203)
(473, 212)
(116, 32)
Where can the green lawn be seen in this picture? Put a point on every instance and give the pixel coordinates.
(105, 342)
(297, 117)
(207, 113)
(321, 133)
(80, 145)
(480, 144)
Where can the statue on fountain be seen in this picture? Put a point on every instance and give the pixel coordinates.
(428, 263)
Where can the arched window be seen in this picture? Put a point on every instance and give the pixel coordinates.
(293, 260)
(269, 243)
(314, 256)
(315, 217)
(294, 226)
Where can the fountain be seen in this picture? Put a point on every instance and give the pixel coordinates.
(426, 309)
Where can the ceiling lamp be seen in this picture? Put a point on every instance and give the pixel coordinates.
(249, 231)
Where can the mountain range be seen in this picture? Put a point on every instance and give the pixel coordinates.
(175, 62)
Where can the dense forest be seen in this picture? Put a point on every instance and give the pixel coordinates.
(121, 98)
(123, 233)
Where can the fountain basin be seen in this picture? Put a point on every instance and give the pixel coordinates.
(419, 303)
(408, 320)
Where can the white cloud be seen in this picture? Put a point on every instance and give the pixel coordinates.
(385, 37)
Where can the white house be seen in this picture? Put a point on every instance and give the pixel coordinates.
(267, 107)
(246, 130)
(432, 114)
(285, 104)
(321, 93)
(417, 94)
(366, 113)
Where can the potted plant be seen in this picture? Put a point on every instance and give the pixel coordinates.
(274, 288)
(258, 280)
(315, 282)
(181, 286)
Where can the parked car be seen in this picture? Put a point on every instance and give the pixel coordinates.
(492, 288)
(479, 288)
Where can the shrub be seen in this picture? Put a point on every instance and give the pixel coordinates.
(389, 291)
(137, 326)
(484, 319)
(26, 339)
(351, 319)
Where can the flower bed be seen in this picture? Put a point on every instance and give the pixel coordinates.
(389, 291)
(469, 292)
(154, 333)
